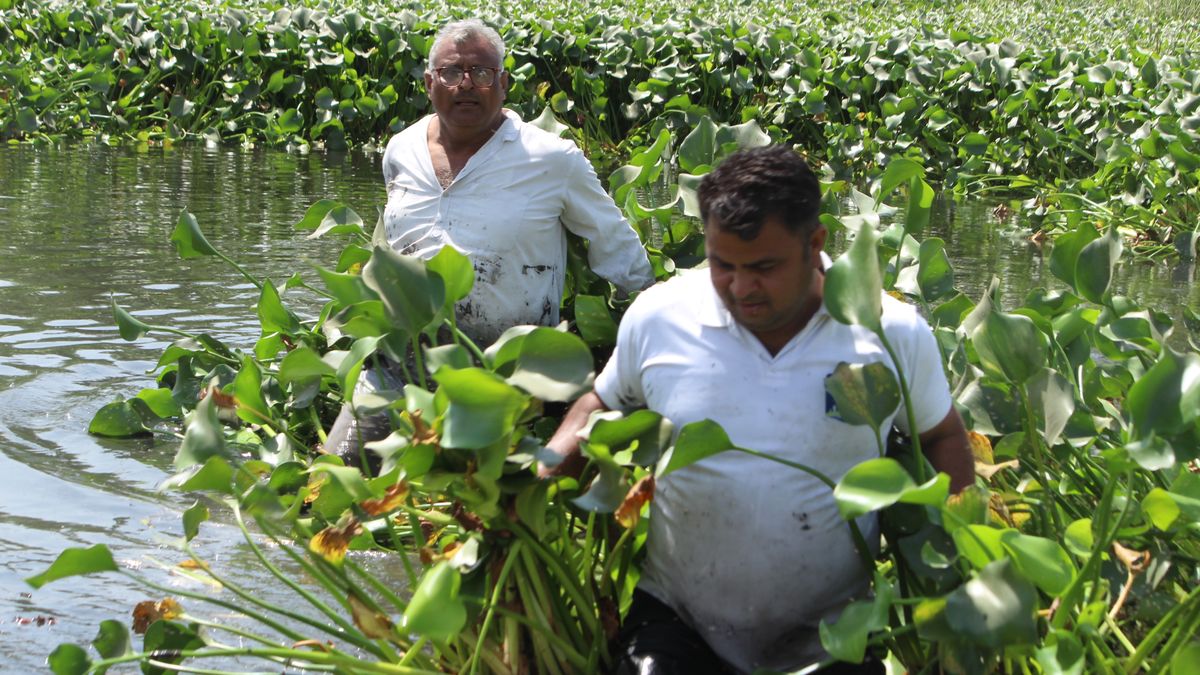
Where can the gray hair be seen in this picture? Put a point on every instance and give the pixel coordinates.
(462, 32)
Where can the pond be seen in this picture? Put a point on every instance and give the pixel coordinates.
(80, 225)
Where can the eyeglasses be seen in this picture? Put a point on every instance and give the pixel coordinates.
(481, 76)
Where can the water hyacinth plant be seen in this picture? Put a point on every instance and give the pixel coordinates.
(1076, 551)
(1082, 126)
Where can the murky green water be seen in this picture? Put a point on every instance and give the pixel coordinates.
(82, 224)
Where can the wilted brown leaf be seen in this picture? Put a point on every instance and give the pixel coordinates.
(315, 644)
(981, 447)
(422, 433)
(149, 611)
(1134, 561)
(392, 500)
(372, 623)
(193, 565)
(986, 471)
(630, 510)
(315, 481)
(332, 542)
(221, 399)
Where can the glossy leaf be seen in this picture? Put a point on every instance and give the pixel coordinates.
(1067, 247)
(118, 420)
(878, 483)
(189, 240)
(865, 394)
(1061, 655)
(74, 562)
(552, 365)
(458, 276)
(129, 327)
(1094, 267)
(69, 659)
(935, 276)
(435, 610)
(594, 321)
(112, 640)
(204, 437)
(996, 608)
(482, 407)
(196, 514)
(854, 285)
(1167, 398)
(1010, 346)
(1042, 561)
(644, 431)
(695, 442)
(411, 297)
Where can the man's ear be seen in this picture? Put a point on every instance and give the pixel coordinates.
(816, 240)
(504, 85)
(428, 84)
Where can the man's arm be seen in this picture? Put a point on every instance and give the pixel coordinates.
(614, 251)
(565, 441)
(948, 450)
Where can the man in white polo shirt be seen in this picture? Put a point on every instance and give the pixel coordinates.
(745, 557)
(472, 175)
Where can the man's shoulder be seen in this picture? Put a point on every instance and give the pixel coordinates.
(683, 294)
(536, 138)
(408, 136)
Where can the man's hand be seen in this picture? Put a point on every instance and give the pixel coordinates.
(565, 441)
(948, 450)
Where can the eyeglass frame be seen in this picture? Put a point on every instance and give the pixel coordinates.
(466, 73)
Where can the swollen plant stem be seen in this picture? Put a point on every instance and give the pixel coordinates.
(419, 362)
(1034, 439)
(461, 338)
(1070, 597)
(555, 609)
(565, 579)
(343, 662)
(350, 632)
(918, 456)
(540, 627)
(413, 651)
(497, 592)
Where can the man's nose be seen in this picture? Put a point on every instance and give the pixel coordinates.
(743, 284)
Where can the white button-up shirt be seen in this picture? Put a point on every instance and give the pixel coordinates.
(506, 209)
(753, 554)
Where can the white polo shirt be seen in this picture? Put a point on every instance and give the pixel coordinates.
(506, 209)
(753, 554)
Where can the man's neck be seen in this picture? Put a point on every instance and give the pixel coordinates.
(457, 143)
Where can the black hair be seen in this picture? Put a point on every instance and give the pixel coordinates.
(752, 185)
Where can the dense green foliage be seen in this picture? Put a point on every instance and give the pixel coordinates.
(1057, 112)
(1076, 551)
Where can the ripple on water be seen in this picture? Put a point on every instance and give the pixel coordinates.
(4, 283)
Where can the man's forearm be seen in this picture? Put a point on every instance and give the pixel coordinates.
(948, 450)
(565, 441)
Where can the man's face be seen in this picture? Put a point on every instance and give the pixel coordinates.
(771, 284)
(466, 108)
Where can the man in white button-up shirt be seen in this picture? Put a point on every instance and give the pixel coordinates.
(474, 176)
(745, 558)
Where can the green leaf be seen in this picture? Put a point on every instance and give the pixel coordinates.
(112, 641)
(696, 441)
(213, 475)
(482, 407)
(74, 562)
(854, 285)
(699, 147)
(160, 402)
(865, 394)
(1066, 251)
(548, 122)
(197, 513)
(1152, 453)
(435, 610)
(898, 172)
(1094, 267)
(1043, 561)
(1053, 402)
(1010, 346)
(607, 490)
(553, 366)
(69, 659)
(456, 271)
(301, 365)
(878, 483)
(129, 327)
(935, 276)
(315, 214)
(1166, 399)
(349, 478)
(167, 639)
(644, 431)
(995, 609)
(340, 219)
(1061, 654)
(1079, 538)
(118, 420)
(28, 122)
(846, 640)
(411, 297)
(1187, 660)
(290, 122)
(1160, 508)
(594, 321)
(189, 240)
(975, 144)
(274, 317)
(204, 437)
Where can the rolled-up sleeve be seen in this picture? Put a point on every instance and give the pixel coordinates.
(614, 252)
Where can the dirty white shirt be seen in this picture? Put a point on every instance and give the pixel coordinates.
(751, 553)
(507, 210)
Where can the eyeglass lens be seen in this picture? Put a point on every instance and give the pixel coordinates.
(481, 76)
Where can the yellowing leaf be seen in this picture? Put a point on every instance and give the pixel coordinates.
(332, 542)
(981, 447)
(392, 500)
(374, 624)
(640, 494)
(989, 470)
(149, 611)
